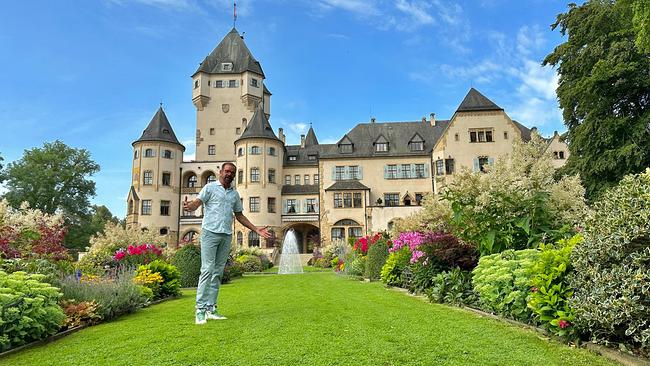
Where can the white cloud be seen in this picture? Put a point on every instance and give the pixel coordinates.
(529, 39)
(360, 7)
(539, 79)
(162, 4)
(416, 11)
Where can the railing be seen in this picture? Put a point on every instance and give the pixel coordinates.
(187, 190)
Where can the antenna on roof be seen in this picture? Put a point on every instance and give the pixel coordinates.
(234, 13)
(161, 103)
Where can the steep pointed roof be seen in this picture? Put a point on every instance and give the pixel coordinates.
(232, 48)
(310, 139)
(259, 126)
(159, 129)
(475, 101)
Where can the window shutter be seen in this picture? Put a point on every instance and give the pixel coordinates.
(414, 173)
(385, 171)
(491, 161)
(297, 206)
(360, 172)
(346, 173)
(250, 150)
(304, 202)
(333, 174)
(316, 206)
(399, 171)
(476, 166)
(284, 207)
(426, 170)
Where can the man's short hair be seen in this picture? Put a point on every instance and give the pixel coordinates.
(228, 163)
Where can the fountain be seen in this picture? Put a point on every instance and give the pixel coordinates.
(290, 257)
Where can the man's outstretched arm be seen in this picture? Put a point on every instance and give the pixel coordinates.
(244, 221)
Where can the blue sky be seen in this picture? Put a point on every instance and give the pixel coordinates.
(92, 73)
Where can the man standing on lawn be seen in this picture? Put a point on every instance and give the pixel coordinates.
(220, 200)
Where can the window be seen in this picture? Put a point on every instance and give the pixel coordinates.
(218, 84)
(240, 176)
(472, 136)
(449, 166)
(505, 135)
(167, 154)
(166, 178)
(211, 178)
(271, 151)
(240, 151)
(270, 204)
(346, 148)
(211, 131)
(381, 147)
(456, 137)
(240, 238)
(391, 171)
(440, 167)
(355, 232)
(255, 150)
(561, 154)
(208, 82)
(416, 145)
(211, 150)
(255, 83)
(147, 179)
(482, 135)
(271, 177)
(419, 171)
(407, 200)
(293, 158)
(296, 179)
(483, 163)
(356, 199)
(196, 84)
(306, 179)
(406, 171)
(226, 66)
(164, 208)
(148, 153)
(347, 199)
(253, 239)
(164, 231)
(146, 207)
(238, 130)
(311, 205)
(353, 172)
(232, 83)
(291, 205)
(316, 179)
(391, 199)
(254, 204)
(338, 200)
(191, 181)
(190, 235)
(287, 180)
(135, 154)
(418, 199)
(255, 174)
(338, 233)
(311, 157)
(339, 172)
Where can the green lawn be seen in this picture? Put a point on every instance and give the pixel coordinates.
(308, 319)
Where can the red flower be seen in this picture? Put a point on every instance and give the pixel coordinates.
(563, 324)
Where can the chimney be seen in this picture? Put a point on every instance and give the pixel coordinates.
(372, 119)
(432, 119)
(424, 120)
(533, 130)
(281, 135)
(302, 140)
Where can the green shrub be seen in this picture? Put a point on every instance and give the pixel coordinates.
(188, 261)
(377, 254)
(54, 270)
(453, 287)
(171, 285)
(551, 291)
(232, 270)
(391, 272)
(250, 263)
(422, 276)
(503, 282)
(612, 266)
(355, 264)
(115, 296)
(79, 313)
(322, 263)
(29, 309)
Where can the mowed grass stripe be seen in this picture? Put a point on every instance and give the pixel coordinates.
(308, 319)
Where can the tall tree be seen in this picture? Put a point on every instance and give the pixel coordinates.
(84, 227)
(604, 91)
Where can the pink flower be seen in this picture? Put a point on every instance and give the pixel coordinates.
(119, 255)
(563, 324)
(533, 289)
(131, 250)
(417, 254)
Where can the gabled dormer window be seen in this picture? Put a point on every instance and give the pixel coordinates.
(381, 147)
(226, 66)
(293, 158)
(416, 143)
(346, 148)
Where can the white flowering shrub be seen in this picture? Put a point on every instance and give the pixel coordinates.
(435, 216)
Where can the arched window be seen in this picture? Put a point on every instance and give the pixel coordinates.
(211, 178)
(253, 239)
(240, 151)
(407, 200)
(164, 231)
(135, 154)
(191, 181)
(255, 150)
(240, 239)
(270, 242)
(148, 153)
(351, 227)
(190, 236)
(167, 154)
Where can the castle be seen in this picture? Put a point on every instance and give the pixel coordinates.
(375, 173)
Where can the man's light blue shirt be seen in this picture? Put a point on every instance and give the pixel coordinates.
(219, 203)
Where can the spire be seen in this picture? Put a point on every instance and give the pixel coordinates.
(231, 56)
(310, 139)
(475, 101)
(159, 129)
(259, 126)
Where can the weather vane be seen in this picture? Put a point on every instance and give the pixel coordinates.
(234, 14)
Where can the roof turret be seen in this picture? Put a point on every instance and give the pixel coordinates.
(159, 129)
(231, 56)
(259, 126)
(475, 101)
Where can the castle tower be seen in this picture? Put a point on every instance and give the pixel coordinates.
(260, 155)
(227, 88)
(153, 200)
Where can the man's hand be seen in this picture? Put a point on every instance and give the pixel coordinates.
(192, 205)
(263, 231)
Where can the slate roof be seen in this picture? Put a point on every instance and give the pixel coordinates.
(311, 139)
(232, 48)
(300, 189)
(475, 101)
(259, 126)
(525, 131)
(159, 129)
(347, 185)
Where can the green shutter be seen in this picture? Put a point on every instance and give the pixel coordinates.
(477, 168)
(385, 171)
(426, 170)
(333, 174)
(284, 206)
(360, 172)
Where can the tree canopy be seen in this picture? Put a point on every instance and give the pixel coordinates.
(604, 90)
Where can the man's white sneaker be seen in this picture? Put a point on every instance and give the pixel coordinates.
(201, 317)
(214, 316)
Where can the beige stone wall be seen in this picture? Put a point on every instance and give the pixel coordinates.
(455, 143)
(380, 218)
(558, 148)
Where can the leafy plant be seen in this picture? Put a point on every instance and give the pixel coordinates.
(79, 313)
(377, 254)
(232, 270)
(391, 272)
(250, 263)
(453, 287)
(188, 261)
(171, 284)
(551, 292)
(29, 309)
